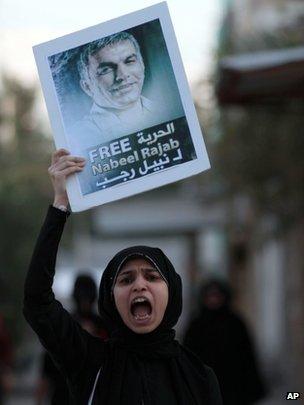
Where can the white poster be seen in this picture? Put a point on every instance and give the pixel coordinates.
(117, 95)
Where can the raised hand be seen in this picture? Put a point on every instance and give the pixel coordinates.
(62, 166)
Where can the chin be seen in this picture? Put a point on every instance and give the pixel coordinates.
(142, 329)
(126, 100)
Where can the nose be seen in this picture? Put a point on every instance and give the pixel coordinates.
(121, 72)
(139, 284)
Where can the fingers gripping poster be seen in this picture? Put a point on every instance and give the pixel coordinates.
(117, 95)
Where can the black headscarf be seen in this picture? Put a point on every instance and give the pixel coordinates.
(134, 362)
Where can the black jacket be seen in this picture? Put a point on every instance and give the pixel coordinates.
(76, 353)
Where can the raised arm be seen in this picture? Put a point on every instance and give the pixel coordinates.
(56, 329)
(62, 166)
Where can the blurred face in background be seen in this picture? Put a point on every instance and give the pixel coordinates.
(214, 299)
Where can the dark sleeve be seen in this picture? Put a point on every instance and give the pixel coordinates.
(252, 380)
(6, 349)
(215, 397)
(192, 338)
(58, 332)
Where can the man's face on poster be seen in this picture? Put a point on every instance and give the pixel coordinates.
(115, 75)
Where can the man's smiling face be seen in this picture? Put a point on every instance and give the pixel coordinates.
(116, 74)
(141, 295)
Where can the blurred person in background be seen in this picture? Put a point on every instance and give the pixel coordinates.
(6, 361)
(219, 337)
(52, 383)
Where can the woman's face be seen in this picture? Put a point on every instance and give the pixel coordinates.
(141, 295)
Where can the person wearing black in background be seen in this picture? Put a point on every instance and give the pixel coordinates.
(6, 361)
(52, 383)
(219, 337)
(140, 301)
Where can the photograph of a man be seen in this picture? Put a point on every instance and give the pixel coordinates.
(117, 95)
(115, 86)
(112, 73)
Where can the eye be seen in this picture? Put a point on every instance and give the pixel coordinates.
(125, 280)
(130, 61)
(153, 276)
(104, 70)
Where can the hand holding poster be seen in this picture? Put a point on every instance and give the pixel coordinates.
(117, 95)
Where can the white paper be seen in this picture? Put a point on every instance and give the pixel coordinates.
(117, 94)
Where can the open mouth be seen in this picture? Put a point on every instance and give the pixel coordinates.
(141, 308)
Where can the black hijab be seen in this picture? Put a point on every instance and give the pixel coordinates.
(126, 376)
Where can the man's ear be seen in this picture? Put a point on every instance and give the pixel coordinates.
(86, 87)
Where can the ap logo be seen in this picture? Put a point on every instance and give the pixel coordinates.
(293, 395)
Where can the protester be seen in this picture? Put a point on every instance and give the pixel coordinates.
(6, 361)
(140, 301)
(51, 383)
(219, 337)
(85, 296)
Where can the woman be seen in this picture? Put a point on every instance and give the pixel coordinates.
(140, 300)
(219, 337)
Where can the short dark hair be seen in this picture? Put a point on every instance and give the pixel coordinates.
(85, 288)
(95, 46)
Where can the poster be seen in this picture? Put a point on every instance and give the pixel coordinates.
(117, 95)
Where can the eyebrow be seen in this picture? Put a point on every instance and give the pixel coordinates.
(146, 269)
(106, 64)
(133, 55)
(112, 64)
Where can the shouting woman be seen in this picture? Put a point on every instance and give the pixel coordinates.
(140, 301)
